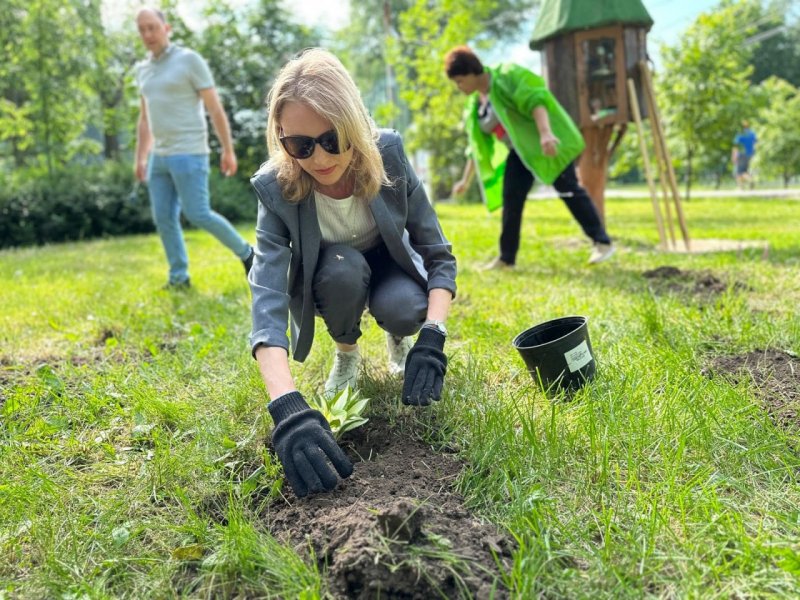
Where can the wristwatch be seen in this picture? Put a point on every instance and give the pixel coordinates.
(437, 325)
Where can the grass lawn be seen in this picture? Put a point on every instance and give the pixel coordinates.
(124, 408)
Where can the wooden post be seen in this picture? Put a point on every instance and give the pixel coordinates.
(593, 164)
(637, 117)
(662, 176)
(658, 134)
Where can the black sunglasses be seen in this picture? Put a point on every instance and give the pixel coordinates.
(302, 146)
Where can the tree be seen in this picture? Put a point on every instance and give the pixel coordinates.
(704, 89)
(112, 55)
(363, 46)
(245, 48)
(776, 44)
(778, 150)
(45, 91)
(16, 122)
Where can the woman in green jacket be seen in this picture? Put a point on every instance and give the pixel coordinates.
(518, 132)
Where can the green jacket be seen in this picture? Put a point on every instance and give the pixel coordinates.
(514, 92)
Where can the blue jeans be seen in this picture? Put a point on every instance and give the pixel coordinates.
(180, 182)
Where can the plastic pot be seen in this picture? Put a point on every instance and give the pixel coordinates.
(558, 353)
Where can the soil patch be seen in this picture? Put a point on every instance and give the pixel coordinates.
(776, 376)
(395, 528)
(698, 283)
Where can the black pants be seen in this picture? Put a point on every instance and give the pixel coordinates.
(518, 181)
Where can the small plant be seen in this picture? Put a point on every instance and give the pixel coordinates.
(343, 410)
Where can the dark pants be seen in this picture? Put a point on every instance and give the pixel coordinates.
(518, 181)
(346, 281)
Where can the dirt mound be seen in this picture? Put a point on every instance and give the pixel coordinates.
(700, 283)
(776, 376)
(395, 528)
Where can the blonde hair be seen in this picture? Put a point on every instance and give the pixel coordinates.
(318, 80)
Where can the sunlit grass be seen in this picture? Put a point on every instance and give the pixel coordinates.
(133, 419)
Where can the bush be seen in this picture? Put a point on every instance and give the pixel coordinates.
(233, 197)
(90, 202)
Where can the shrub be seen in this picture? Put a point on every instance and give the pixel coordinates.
(97, 201)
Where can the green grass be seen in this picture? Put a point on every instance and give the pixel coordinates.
(132, 461)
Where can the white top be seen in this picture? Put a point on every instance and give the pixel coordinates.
(347, 221)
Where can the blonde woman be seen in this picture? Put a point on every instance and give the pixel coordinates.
(343, 224)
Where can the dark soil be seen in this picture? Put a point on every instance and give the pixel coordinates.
(395, 528)
(697, 283)
(776, 376)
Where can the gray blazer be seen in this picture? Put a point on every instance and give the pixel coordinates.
(288, 244)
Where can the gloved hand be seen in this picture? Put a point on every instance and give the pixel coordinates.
(425, 368)
(303, 440)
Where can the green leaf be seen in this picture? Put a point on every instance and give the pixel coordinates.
(342, 410)
(190, 552)
(120, 535)
(352, 424)
(359, 406)
(340, 400)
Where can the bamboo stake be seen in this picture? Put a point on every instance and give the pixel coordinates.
(662, 169)
(637, 117)
(673, 183)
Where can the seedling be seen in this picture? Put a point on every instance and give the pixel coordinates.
(343, 410)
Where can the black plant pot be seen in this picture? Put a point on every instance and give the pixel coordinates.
(558, 354)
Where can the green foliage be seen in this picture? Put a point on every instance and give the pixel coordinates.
(44, 85)
(343, 410)
(627, 158)
(100, 201)
(779, 131)
(704, 90)
(86, 203)
(233, 197)
(111, 55)
(363, 46)
(706, 86)
(245, 47)
(777, 54)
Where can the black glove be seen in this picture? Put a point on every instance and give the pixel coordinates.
(425, 368)
(303, 440)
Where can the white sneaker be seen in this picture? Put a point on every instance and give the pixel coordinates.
(344, 371)
(398, 348)
(601, 252)
(496, 264)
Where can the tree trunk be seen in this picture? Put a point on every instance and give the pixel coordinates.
(19, 155)
(110, 102)
(44, 92)
(593, 164)
(111, 146)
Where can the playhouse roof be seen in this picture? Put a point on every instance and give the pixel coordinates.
(558, 17)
